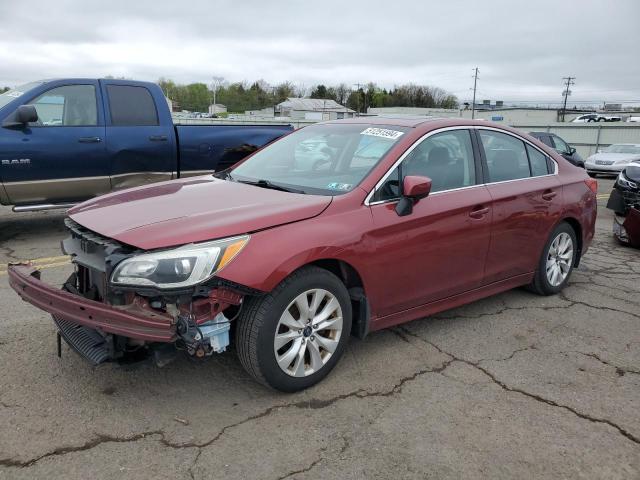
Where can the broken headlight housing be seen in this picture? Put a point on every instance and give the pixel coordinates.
(623, 181)
(180, 267)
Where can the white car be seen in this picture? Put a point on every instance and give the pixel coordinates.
(612, 159)
(633, 119)
(596, 117)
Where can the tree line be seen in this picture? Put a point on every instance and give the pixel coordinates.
(241, 96)
(4, 89)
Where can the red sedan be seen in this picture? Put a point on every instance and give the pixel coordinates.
(337, 229)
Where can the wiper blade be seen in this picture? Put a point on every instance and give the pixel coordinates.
(267, 184)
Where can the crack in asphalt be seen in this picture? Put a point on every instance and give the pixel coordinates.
(533, 396)
(619, 370)
(100, 439)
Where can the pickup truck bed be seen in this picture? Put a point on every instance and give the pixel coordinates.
(64, 141)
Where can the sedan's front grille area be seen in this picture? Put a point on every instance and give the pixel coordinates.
(85, 234)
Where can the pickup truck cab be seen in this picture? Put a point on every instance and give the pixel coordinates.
(65, 141)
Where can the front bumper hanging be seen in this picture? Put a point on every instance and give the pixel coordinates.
(127, 321)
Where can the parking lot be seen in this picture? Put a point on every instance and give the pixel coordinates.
(513, 386)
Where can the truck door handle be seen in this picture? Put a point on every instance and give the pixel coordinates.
(549, 195)
(479, 212)
(158, 138)
(89, 140)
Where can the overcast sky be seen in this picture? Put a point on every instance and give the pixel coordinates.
(522, 48)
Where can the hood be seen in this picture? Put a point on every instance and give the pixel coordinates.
(615, 157)
(190, 210)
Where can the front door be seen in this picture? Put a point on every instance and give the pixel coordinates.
(62, 156)
(527, 203)
(438, 250)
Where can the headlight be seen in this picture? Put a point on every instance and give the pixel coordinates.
(623, 181)
(180, 267)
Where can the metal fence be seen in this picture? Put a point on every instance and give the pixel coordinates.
(588, 137)
(585, 137)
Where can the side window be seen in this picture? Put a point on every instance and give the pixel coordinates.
(538, 162)
(546, 139)
(131, 106)
(68, 106)
(561, 146)
(446, 158)
(390, 189)
(506, 156)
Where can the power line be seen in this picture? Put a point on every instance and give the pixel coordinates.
(568, 82)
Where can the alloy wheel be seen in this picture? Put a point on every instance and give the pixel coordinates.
(559, 259)
(308, 332)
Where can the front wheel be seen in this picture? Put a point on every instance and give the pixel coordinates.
(556, 262)
(292, 337)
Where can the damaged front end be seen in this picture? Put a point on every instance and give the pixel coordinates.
(123, 304)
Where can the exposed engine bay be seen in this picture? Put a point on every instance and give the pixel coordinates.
(200, 315)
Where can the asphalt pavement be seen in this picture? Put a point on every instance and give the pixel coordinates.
(513, 386)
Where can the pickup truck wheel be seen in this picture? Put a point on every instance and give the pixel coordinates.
(556, 262)
(291, 338)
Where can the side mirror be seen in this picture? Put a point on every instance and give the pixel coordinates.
(414, 188)
(572, 150)
(24, 115)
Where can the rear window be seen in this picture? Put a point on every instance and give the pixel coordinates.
(131, 106)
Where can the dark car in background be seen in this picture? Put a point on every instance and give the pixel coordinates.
(560, 146)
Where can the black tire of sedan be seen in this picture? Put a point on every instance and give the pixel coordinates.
(292, 337)
(556, 262)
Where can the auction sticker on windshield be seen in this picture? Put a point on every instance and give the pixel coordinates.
(382, 132)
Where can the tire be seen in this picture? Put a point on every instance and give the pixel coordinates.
(542, 281)
(261, 319)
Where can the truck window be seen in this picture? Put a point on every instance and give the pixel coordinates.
(131, 106)
(71, 105)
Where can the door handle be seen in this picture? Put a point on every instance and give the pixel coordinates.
(549, 195)
(479, 212)
(158, 138)
(89, 140)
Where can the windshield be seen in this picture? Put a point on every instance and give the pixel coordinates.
(326, 159)
(12, 94)
(622, 148)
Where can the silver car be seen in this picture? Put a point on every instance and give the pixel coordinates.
(612, 159)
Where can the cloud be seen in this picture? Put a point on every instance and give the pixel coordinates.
(523, 50)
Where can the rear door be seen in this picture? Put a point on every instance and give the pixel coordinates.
(527, 202)
(438, 250)
(140, 142)
(61, 157)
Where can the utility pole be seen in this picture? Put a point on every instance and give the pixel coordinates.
(475, 84)
(568, 81)
(358, 86)
(216, 83)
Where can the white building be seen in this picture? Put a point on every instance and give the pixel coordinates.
(216, 108)
(312, 109)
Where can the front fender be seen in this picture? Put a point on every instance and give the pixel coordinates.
(272, 255)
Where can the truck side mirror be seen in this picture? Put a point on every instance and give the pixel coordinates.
(24, 115)
(414, 187)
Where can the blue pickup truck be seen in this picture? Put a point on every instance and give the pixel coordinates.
(64, 141)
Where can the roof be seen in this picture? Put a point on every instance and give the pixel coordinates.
(313, 104)
(415, 121)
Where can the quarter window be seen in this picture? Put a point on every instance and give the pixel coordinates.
(538, 161)
(131, 106)
(506, 156)
(71, 105)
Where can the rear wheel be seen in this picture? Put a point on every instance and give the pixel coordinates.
(556, 262)
(292, 337)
